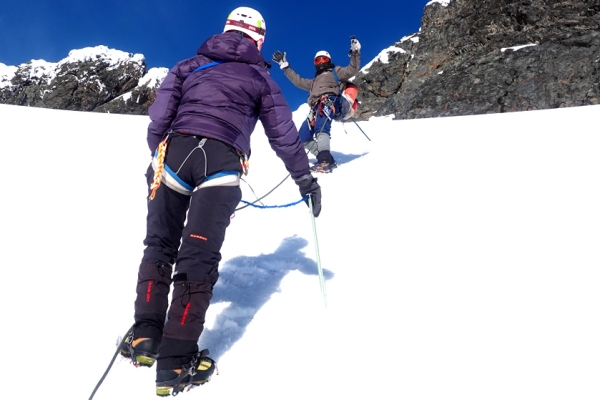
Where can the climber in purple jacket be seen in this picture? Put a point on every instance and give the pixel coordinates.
(201, 121)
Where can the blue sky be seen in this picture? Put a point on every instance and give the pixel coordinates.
(168, 31)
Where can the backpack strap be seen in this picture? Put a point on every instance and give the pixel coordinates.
(337, 80)
(340, 96)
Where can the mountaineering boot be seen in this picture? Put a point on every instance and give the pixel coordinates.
(195, 373)
(142, 351)
(142, 342)
(323, 167)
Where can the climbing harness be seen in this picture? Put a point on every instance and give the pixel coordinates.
(164, 174)
(327, 106)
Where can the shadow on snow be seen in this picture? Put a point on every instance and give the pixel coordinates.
(247, 283)
(340, 158)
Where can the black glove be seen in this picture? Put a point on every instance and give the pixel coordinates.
(280, 59)
(309, 187)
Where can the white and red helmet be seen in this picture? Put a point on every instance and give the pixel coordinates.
(248, 21)
(322, 57)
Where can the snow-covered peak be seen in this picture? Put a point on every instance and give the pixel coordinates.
(40, 68)
(383, 57)
(47, 71)
(112, 56)
(443, 3)
(153, 77)
(413, 38)
(6, 74)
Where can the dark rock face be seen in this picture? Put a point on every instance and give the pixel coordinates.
(470, 57)
(138, 100)
(467, 60)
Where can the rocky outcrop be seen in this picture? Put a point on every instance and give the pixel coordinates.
(469, 57)
(90, 79)
(139, 99)
(489, 56)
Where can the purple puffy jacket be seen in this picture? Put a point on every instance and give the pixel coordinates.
(225, 101)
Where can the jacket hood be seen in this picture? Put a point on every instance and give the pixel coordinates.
(231, 47)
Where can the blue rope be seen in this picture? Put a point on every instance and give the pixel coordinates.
(281, 206)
